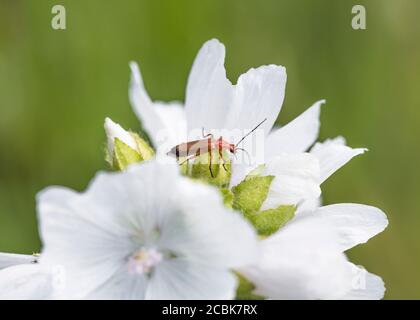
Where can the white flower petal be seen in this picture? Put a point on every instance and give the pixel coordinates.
(296, 179)
(365, 286)
(144, 109)
(309, 205)
(301, 261)
(297, 136)
(164, 122)
(355, 223)
(172, 115)
(333, 154)
(12, 259)
(107, 216)
(121, 286)
(259, 95)
(25, 282)
(238, 172)
(93, 235)
(179, 279)
(304, 259)
(208, 232)
(81, 239)
(213, 103)
(114, 130)
(209, 92)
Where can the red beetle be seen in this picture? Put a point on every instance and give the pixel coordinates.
(195, 148)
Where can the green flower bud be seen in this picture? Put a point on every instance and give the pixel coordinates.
(124, 147)
(212, 168)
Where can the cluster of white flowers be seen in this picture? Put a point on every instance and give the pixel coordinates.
(158, 230)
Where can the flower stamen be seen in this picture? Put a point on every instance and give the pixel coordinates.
(144, 260)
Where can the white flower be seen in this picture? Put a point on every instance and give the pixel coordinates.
(146, 233)
(212, 102)
(215, 105)
(22, 278)
(322, 270)
(305, 259)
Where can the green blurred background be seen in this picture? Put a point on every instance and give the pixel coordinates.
(56, 87)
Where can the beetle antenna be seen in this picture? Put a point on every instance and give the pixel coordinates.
(250, 132)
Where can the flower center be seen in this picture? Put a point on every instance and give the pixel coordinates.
(144, 260)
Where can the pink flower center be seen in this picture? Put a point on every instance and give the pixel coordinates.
(144, 260)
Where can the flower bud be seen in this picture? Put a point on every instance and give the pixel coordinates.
(212, 168)
(124, 147)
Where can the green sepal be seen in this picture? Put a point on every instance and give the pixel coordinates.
(269, 221)
(250, 194)
(245, 289)
(219, 175)
(227, 197)
(124, 155)
(184, 166)
(248, 198)
(143, 148)
(109, 157)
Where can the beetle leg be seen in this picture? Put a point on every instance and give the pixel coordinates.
(211, 156)
(188, 159)
(224, 167)
(223, 160)
(211, 171)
